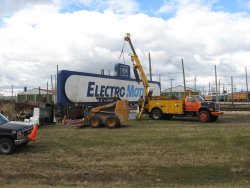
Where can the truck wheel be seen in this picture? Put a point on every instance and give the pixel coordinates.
(204, 116)
(6, 146)
(112, 122)
(156, 114)
(95, 122)
(214, 118)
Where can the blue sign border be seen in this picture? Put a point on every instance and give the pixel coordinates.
(63, 76)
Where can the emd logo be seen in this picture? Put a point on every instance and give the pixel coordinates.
(124, 70)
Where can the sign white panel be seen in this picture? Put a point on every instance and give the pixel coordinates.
(80, 88)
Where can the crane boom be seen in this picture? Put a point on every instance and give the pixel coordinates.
(165, 107)
(138, 66)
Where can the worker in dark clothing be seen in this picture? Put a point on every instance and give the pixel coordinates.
(140, 101)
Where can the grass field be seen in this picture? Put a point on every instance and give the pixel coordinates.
(147, 153)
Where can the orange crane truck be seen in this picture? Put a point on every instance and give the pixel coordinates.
(193, 106)
(163, 107)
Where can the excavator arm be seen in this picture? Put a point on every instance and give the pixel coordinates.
(103, 107)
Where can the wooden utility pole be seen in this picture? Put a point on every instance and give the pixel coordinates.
(39, 94)
(47, 96)
(219, 87)
(247, 87)
(56, 78)
(216, 88)
(150, 69)
(223, 91)
(102, 71)
(12, 93)
(195, 84)
(232, 90)
(209, 93)
(55, 83)
(184, 80)
(171, 86)
(55, 89)
(52, 88)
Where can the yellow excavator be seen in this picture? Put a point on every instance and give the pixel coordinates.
(111, 112)
(111, 115)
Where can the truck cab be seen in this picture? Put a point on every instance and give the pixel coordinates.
(205, 110)
(193, 103)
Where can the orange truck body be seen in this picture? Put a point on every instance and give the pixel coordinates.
(195, 106)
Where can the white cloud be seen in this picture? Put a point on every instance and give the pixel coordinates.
(167, 7)
(38, 37)
(164, 9)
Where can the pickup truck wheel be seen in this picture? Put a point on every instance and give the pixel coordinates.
(156, 114)
(6, 146)
(204, 116)
(95, 122)
(112, 122)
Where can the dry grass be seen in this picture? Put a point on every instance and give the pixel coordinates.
(146, 153)
(9, 110)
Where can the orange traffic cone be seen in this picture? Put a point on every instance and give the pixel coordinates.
(32, 135)
(64, 120)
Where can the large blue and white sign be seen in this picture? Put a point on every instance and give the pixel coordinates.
(79, 87)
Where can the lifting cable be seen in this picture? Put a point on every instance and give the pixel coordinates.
(122, 53)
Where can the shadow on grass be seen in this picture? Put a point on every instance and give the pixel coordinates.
(202, 175)
(31, 148)
(104, 127)
(195, 119)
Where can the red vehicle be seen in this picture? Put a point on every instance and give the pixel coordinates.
(205, 110)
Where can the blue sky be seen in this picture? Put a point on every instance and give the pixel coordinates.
(232, 6)
(36, 36)
(150, 7)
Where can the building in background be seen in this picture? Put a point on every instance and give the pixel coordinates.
(36, 95)
(178, 91)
